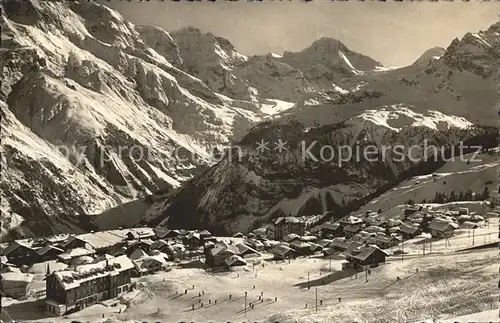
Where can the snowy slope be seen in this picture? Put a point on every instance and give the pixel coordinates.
(92, 102)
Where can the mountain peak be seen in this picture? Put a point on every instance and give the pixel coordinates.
(327, 43)
(430, 55)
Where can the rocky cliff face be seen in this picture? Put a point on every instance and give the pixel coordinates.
(94, 112)
(97, 112)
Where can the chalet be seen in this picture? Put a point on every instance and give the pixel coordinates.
(68, 256)
(283, 252)
(260, 232)
(351, 220)
(256, 244)
(331, 230)
(340, 244)
(469, 225)
(286, 225)
(350, 230)
(49, 252)
(110, 242)
(148, 265)
(21, 252)
(192, 240)
(325, 242)
(216, 256)
(364, 237)
(9, 269)
(301, 248)
(175, 251)
(140, 233)
(166, 234)
(246, 251)
(83, 286)
(235, 260)
(289, 238)
(57, 239)
(384, 242)
(43, 269)
(411, 210)
(144, 244)
(16, 285)
(361, 257)
(329, 251)
(409, 231)
(442, 229)
(315, 247)
(309, 239)
(463, 211)
(205, 234)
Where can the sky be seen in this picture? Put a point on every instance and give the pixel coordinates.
(392, 33)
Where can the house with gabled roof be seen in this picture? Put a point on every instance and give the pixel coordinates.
(331, 229)
(21, 252)
(283, 252)
(16, 284)
(441, 228)
(49, 252)
(362, 256)
(68, 256)
(216, 256)
(350, 230)
(409, 231)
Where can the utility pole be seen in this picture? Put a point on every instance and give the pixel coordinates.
(423, 248)
(245, 303)
(316, 299)
(330, 264)
(430, 246)
(308, 285)
(473, 232)
(402, 250)
(366, 274)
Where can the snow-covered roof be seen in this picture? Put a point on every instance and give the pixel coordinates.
(260, 231)
(103, 239)
(290, 237)
(16, 244)
(300, 244)
(102, 258)
(57, 238)
(138, 254)
(243, 248)
(17, 277)
(407, 228)
(288, 219)
(468, 225)
(70, 279)
(45, 249)
(441, 225)
(76, 252)
(144, 232)
(46, 267)
(281, 250)
(330, 226)
(221, 246)
(365, 252)
(142, 264)
(234, 260)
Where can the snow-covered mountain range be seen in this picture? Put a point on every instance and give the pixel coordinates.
(96, 110)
